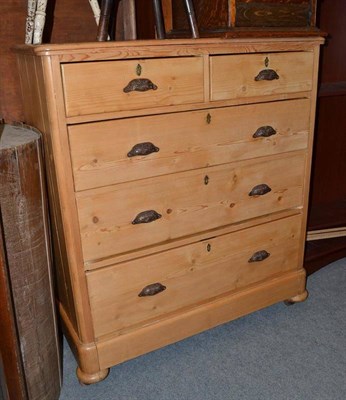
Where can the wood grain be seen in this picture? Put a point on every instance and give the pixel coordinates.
(193, 274)
(234, 76)
(196, 202)
(186, 203)
(223, 15)
(117, 349)
(66, 228)
(209, 14)
(25, 223)
(36, 113)
(178, 81)
(99, 150)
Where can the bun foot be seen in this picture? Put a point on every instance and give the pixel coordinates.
(297, 299)
(89, 379)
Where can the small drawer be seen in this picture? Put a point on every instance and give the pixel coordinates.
(106, 153)
(251, 75)
(129, 216)
(149, 288)
(100, 87)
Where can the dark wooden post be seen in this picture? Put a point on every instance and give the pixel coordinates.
(12, 384)
(28, 261)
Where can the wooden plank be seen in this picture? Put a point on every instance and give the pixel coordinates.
(183, 108)
(234, 76)
(191, 274)
(93, 51)
(124, 257)
(12, 382)
(67, 227)
(174, 81)
(287, 13)
(326, 234)
(99, 150)
(116, 349)
(187, 204)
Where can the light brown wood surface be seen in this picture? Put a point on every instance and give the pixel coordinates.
(234, 76)
(178, 81)
(191, 274)
(117, 349)
(186, 203)
(199, 181)
(99, 150)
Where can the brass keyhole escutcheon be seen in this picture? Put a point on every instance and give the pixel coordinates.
(208, 247)
(208, 118)
(206, 180)
(266, 62)
(139, 70)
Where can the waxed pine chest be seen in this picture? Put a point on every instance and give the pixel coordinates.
(178, 178)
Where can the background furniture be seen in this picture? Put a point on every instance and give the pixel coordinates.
(328, 189)
(30, 348)
(224, 15)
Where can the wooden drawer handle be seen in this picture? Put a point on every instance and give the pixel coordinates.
(264, 131)
(260, 190)
(152, 290)
(140, 85)
(267, 75)
(142, 149)
(259, 256)
(146, 217)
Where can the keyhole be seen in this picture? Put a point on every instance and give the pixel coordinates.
(208, 118)
(139, 70)
(206, 180)
(266, 62)
(208, 247)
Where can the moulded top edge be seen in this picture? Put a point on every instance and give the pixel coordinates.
(86, 47)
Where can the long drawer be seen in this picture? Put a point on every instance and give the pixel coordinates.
(130, 216)
(106, 153)
(99, 87)
(248, 75)
(148, 288)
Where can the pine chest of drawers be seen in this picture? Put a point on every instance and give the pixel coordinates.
(178, 181)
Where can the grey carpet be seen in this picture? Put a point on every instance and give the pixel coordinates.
(279, 353)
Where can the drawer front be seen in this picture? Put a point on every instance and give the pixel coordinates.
(190, 274)
(129, 216)
(240, 76)
(110, 152)
(99, 87)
